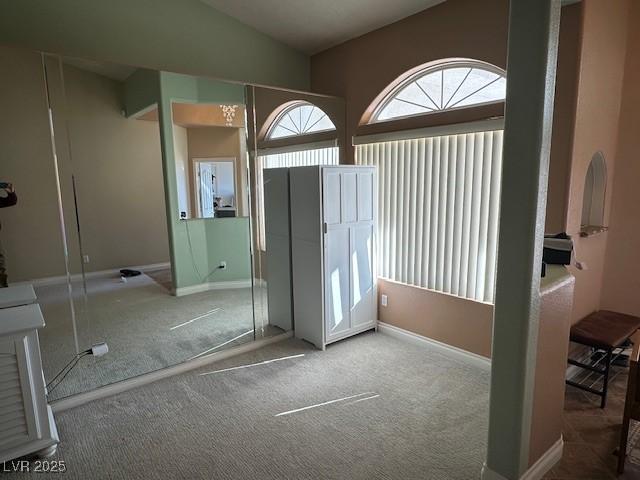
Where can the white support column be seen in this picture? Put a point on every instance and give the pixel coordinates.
(531, 69)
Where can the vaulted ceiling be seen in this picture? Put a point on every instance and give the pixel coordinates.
(315, 25)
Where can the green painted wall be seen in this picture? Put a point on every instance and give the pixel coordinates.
(175, 35)
(197, 246)
(188, 88)
(141, 91)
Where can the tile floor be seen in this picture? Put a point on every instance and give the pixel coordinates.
(591, 436)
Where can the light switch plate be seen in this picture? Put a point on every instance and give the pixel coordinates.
(383, 300)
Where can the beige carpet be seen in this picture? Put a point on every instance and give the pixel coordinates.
(145, 327)
(407, 412)
(162, 277)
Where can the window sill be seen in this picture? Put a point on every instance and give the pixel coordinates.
(591, 230)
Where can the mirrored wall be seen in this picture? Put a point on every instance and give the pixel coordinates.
(143, 211)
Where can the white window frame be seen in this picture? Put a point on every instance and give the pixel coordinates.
(432, 68)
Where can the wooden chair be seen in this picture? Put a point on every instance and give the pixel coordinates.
(631, 407)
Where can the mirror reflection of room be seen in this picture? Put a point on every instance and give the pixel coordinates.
(120, 273)
(290, 130)
(210, 156)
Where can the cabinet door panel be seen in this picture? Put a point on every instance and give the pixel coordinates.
(337, 284)
(349, 197)
(361, 262)
(365, 196)
(331, 198)
(363, 301)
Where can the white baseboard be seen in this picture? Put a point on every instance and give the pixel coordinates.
(131, 383)
(538, 470)
(204, 287)
(488, 474)
(259, 282)
(546, 462)
(417, 339)
(77, 277)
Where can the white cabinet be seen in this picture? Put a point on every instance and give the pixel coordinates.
(332, 251)
(26, 421)
(278, 247)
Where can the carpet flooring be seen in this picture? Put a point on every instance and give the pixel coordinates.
(144, 326)
(369, 407)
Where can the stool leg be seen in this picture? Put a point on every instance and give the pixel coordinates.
(605, 380)
(622, 452)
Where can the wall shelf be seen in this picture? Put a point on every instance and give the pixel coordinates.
(591, 230)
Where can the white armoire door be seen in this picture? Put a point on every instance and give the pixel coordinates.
(348, 250)
(364, 296)
(337, 248)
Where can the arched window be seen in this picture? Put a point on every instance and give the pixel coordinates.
(594, 192)
(445, 85)
(299, 118)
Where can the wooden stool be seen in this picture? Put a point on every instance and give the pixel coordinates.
(606, 331)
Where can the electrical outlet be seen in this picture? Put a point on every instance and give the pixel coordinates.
(85, 258)
(383, 300)
(223, 265)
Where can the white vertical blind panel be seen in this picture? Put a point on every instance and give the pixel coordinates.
(438, 211)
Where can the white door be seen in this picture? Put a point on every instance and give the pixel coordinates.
(348, 249)
(206, 177)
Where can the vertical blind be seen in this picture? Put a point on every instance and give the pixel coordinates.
(301, 158)
(438, 207)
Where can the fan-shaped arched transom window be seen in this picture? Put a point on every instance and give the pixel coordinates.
(300, 118)
(443, 86)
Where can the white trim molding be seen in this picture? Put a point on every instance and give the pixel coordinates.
(144, 379)
(427, 132)
(546, 462)
(538, 470)
(298, 147)
(77, 277)
(460, 354)
(204, 287)
(488, 474)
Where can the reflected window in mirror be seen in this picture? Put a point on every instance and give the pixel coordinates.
(300, 118)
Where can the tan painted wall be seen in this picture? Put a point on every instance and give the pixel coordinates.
(206, 142)
(551, 361)
(116, 163)
(621, 283)
(598, 107)
(564, 116)
(30, 232)
(448, 319)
